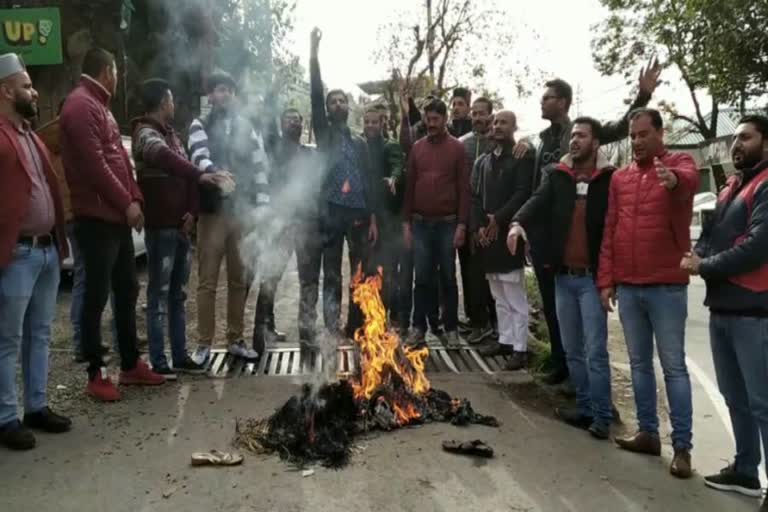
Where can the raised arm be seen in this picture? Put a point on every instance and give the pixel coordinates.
(319, 117)
(619, 129)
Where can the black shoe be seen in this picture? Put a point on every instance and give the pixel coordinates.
(518, 361)
(47, 421)
(16, 436)
(573, 417)
(729, 480)
(600, 431)
(165, 371)
(556, 376)
(494, 349)
(464, 327)
(479, 334)
(188, 366)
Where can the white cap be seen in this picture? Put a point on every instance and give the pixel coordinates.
(10, 64)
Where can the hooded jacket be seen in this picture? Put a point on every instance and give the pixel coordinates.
(550, 209)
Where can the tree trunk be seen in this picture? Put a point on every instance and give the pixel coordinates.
(430, 43)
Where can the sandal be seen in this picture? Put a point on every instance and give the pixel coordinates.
(476, 447)
(216, 458)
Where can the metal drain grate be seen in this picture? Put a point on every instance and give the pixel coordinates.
(290, 361)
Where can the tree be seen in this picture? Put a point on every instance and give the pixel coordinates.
(718, 46)
(444, 43)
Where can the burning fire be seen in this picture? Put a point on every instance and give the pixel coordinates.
(383, 358)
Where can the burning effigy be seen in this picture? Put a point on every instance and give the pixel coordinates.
(390, 391)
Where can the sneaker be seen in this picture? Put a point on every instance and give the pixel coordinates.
(464, 326)
(101, 388)
(573, 417)
(729, 480)
(493, 349)
(47, 421)
(518, 361)
(165, 371)
(16, 436)
(189, 366)
(451, 339)
(201, 355)
(240, 349)
(478, 334)
(681, 464)
(141, 375)
(600, 431)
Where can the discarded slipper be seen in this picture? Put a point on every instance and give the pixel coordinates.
(216, 458)
(476, 448)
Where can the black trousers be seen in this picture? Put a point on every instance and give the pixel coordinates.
(309, 258)
(340, 224)
(396, 263)
(110, 264)
(479, 305)
(545, 277)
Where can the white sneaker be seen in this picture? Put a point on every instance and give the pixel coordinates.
(240, 349)
(201, 355)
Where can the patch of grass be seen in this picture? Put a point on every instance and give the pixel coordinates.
(538, 343)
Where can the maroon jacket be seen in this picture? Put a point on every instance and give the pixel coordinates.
(168, 181)
(437, 181)
(647, 227)
(15, 173)
(99, 172)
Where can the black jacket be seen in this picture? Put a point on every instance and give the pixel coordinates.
(500, 186)
(723, 259)
(550, 210)
(329, 137)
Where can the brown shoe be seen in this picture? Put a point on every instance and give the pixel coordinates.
(681, 464)
(642, 442)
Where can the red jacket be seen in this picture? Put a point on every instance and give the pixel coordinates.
(99, 172)
(437, 180)
(15, 180)
(647, 227)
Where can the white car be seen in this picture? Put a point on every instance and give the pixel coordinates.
(139, 246)
(703, 206)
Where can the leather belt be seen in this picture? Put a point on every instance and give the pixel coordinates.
(445, 218)
(36, 241)
(575, 272)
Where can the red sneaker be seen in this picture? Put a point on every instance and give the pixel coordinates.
(141, 375)
(101, 388)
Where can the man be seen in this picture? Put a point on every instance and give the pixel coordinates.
(461, 123)
(294, 185)
(387, 165)
(32, 239)
(500, 186)
(435, 217)
(168, 182)
(107, 204)
(553, 143)
(571, 205)
(225, 141)
(478, 302)
(647, 232)
(349, 192)
(732, 257)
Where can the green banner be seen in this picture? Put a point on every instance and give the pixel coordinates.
(35, 34)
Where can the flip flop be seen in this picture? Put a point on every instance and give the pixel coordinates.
(216, 458)
(476, 447)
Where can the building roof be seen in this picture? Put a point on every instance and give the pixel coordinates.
(727, 120)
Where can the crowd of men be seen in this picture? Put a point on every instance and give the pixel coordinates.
(453, 184)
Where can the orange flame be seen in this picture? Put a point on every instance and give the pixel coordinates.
(381, 352)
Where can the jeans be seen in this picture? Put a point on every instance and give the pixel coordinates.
(584, 329)
(78, 293)
(740, 354)
(340, 223)
(168, 264)
(433, 256)
(405, 289)
(110, 263)
(28, 288)
(660, 311)
(397, 266)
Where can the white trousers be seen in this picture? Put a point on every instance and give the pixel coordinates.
(508, 291)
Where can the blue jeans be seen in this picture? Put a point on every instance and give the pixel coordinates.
(28, 288)
(660, 311)
(168, 266)
(78, 293)
(740, 354)
(434, 258)
(584, 331)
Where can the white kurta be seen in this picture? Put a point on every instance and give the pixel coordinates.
(508, 291)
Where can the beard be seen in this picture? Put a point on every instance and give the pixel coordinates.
(293, 132)
(339, 116)
(26, 109)
(748, 160)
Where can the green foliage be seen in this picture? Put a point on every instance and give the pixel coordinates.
(719, 46)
